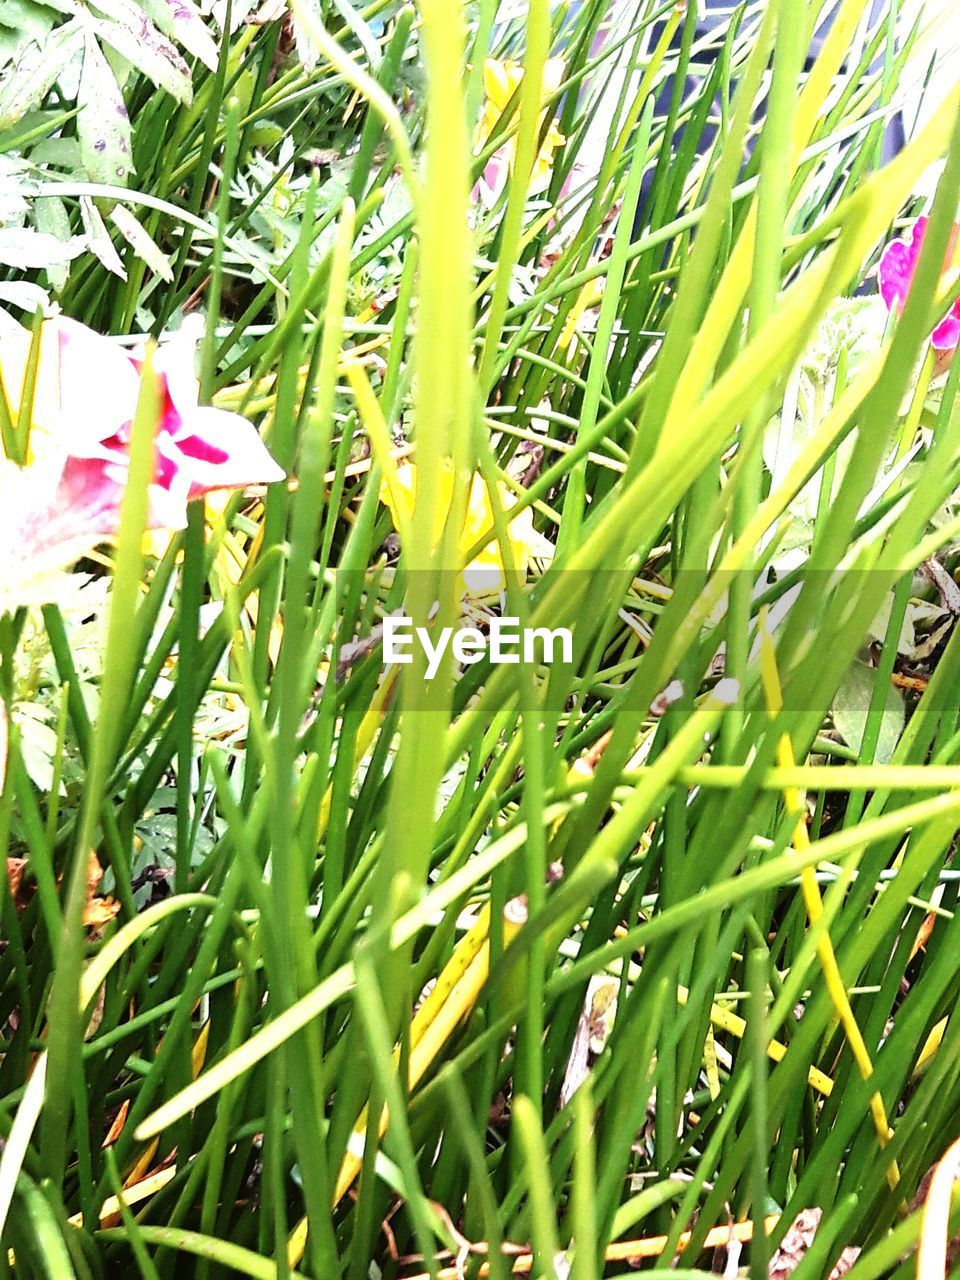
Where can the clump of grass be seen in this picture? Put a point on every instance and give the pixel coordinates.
(545, 969)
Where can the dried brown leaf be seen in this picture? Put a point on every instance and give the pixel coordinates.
(798, 1240)
(19, 892)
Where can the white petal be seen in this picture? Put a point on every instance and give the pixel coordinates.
(99, 386)
(221, 450)
(176, 360)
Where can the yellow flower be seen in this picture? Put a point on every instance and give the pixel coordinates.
(589, 296)
(485, 574)
(501, 79)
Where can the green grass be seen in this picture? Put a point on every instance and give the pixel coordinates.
(300, 844)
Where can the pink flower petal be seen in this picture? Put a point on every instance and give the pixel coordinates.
(898, 264)
(201, 450)
(90, 491)
(946, 336)
(68, 499)
(58, 514)
(494, 178)
(220, 450)
(167, 469)
(88, 497)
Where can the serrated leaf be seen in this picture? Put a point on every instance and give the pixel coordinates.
(365, 37)
(15, 187)
(141, 242)
(27, 12)
(240, 13)
(98, 238)
(26, 249)
(38, 744)
(23, 23)
(12, 45)
(35, 73)
(24, 295)
(303, 42)
(145, 48)
(182, 21)
(851, 712)
(103, 126)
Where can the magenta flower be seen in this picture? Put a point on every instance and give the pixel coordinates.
(66, 499)
(898, 263)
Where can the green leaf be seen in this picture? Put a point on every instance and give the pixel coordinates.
(181, 20)
(22, 23)
(50, 214)
(35, 73)
(103, 125)
(98, 238)
(852, 705)
(145, 48)
(143, 244)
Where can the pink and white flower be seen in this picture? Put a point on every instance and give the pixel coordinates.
(66, 498)
(898, 265)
